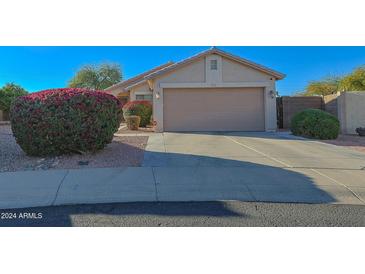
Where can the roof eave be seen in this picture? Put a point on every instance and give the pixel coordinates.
(114, 86)
(131, 80)
(178, 64)
(135, 84)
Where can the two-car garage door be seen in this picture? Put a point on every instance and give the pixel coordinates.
(214, 109)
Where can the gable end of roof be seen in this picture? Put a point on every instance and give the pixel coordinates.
(213, 50)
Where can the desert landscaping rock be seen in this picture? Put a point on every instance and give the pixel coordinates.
(123, 129)
(123, 151)
(351, 141)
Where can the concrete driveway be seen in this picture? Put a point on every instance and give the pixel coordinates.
(260, 167)
(275, 167)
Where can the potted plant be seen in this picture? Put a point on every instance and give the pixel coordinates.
(143, 109)
(133, 122)
(361, 131)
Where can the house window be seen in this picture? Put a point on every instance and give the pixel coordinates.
(213, 65)
(144, 97)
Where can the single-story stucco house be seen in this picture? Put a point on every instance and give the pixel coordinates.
(211, 91)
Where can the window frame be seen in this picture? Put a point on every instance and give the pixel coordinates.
(144, 99)
(214, 64)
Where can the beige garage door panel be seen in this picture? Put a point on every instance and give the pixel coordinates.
(216, 109)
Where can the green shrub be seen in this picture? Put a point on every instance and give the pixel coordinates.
(142, 109)
(315, 123)
(8, 94)
(133, 122)
(61, 121)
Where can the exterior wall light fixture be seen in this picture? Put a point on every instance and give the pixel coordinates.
(272, 93)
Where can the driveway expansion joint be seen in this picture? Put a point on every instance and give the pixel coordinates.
(340, 184)
(164, 143)
(155, 183)
(59, 187)
(251, 193)
(259, 152)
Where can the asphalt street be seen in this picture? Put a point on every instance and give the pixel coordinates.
(177, 214)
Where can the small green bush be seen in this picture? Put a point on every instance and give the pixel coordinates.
(8, 94)
(133, 122)
(142, 109)
(61, 121)
(315, 123)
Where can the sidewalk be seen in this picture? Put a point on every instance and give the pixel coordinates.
(134, 184)
(76, 186)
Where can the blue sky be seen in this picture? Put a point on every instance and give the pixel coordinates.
(37, 68)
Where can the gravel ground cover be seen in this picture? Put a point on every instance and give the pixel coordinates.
(123, 151)
(352, 141)
(124, 130)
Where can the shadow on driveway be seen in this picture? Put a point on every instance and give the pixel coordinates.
(188, 177)
(185, 177)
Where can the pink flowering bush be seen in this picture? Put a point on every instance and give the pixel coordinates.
(67, 120)
(143, 109)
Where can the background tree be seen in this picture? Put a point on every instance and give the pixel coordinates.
(8, 93)
(329, 85)
(355, 81)
(96, 77)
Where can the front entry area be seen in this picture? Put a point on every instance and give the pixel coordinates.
(214, 109)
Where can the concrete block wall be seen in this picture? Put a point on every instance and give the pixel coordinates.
(330, 104)
(351, 111)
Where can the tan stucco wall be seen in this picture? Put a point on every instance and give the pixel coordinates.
(236, 72)
(199, 75)
(140, 89)
(351, 111)
(191, 73)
